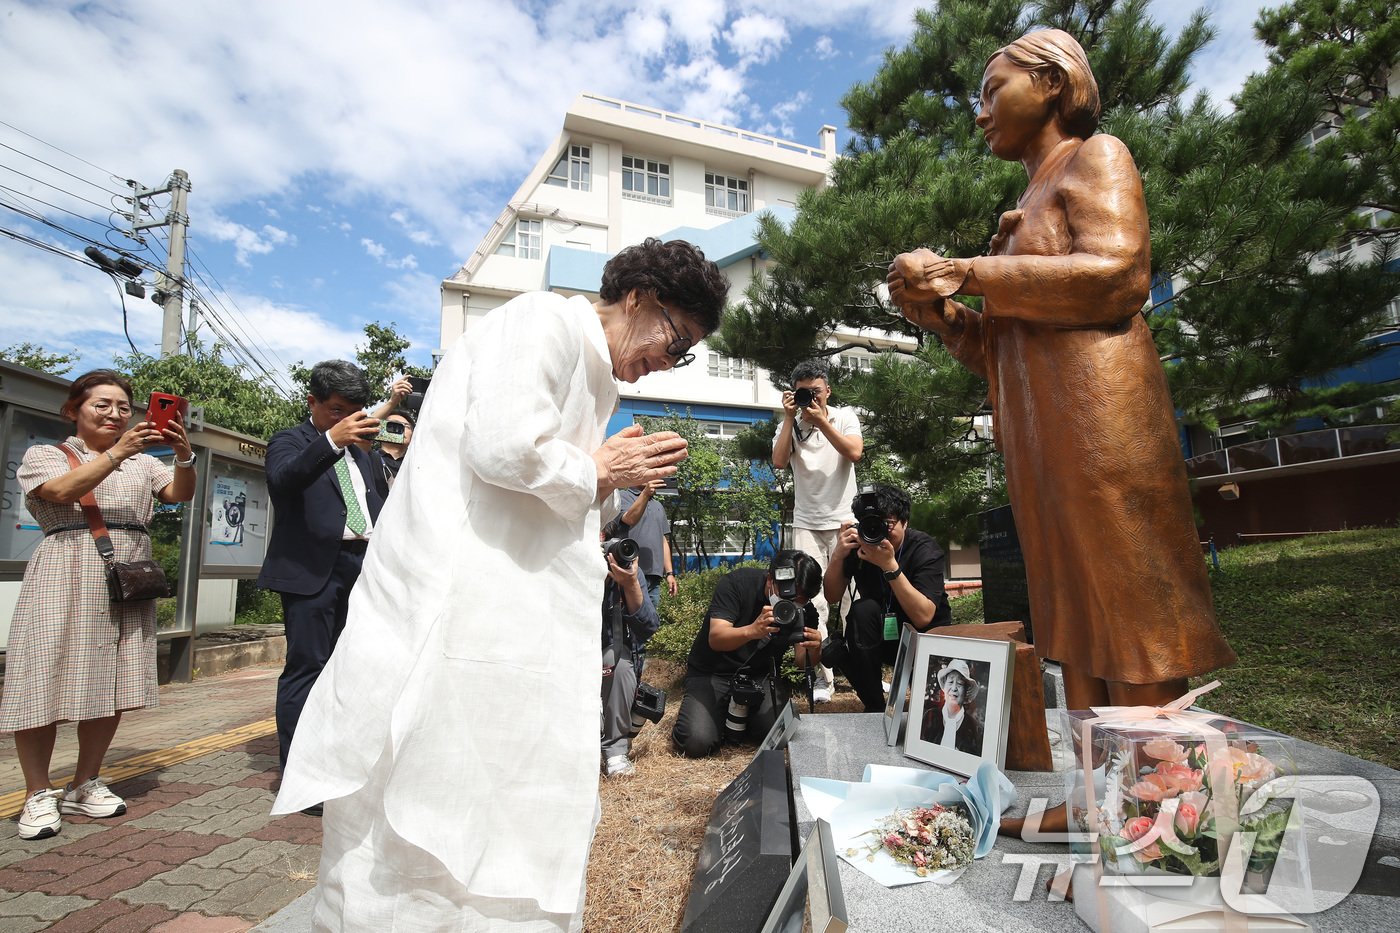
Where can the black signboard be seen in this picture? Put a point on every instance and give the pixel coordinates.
(747, 853)
(1004, 594)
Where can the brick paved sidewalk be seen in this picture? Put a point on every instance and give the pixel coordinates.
(197, 850)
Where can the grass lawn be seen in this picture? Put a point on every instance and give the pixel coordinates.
(1316, 623)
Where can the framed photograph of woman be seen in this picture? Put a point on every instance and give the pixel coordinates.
(960, 705)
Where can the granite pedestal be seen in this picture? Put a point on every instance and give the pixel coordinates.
(996, 893)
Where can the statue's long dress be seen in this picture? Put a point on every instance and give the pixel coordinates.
(1083, 418)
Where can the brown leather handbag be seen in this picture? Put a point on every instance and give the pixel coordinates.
(127, 580)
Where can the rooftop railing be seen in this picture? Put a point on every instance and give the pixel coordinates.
(665, 116)
(1296, 449)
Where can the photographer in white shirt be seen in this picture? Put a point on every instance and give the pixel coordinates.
(822, 445)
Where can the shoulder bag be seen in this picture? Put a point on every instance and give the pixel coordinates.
(127, 580)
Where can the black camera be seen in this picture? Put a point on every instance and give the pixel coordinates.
(623, 550)
(870, 519)
(414, 400)
(744, 695)
(787, 615)
(802, 398)
(649, 705)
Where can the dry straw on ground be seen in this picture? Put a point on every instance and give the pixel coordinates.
(653, 822)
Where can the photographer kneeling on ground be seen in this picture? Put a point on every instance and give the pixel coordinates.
(627, 624)
(898, 573)
(730, 683)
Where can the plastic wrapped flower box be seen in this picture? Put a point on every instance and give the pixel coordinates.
(1173, 788)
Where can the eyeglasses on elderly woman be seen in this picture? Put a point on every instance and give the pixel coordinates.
(677, 348)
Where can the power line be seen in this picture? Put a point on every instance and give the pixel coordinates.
(30, 197)
(237, 331)
(241, 351)
(39, 181)
(48, 247)
(39, 218)
(108, 172)
(236, 309)
(63, 171)
(228, 321)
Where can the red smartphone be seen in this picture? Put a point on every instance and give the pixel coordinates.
(163, 407)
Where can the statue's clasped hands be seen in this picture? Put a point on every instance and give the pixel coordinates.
(920, 281)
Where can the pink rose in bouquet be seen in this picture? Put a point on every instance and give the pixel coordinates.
(1188, 818)
(1248, 768)
(1179, 778)
(1163, 748)
(1134, 830)
(1153, 787)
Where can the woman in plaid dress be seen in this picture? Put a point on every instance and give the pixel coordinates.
(74, 655)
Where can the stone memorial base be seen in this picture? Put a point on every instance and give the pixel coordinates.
(1007, 890)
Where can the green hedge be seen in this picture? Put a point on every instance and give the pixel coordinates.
(967, 609)
(256, 606)
(682, 614)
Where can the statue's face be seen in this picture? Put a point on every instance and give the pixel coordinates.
(1015, 107)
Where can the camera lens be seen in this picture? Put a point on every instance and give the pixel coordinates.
(802, 398)
(871, 529)
(744, 693)
(623, 550)
(785, 612)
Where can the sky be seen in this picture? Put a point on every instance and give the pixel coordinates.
(346, 156)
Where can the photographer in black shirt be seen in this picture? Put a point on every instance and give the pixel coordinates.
(898, 574)
(731, 671)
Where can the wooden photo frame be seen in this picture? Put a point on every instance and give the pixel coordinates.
(896, 705)
(964, 683)
(813, 889)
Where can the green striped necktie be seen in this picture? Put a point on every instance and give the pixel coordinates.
(354, 518)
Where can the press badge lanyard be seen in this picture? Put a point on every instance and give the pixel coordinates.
(891, 620)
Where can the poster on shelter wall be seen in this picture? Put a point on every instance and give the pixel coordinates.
(236, 517)
(20, 533)
(230, 510)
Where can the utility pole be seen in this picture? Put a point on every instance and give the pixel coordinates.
(171, 284)
(191, 324)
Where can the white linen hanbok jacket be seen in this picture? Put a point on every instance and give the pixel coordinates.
(471, 653)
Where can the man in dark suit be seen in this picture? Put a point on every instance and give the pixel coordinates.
(326, 495)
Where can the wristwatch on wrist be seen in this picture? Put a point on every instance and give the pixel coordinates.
(669, 573)
(891, 574)
(187, 463)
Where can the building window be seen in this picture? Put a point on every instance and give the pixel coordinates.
(646, 179)
(856, 362)
(731, 543)
(524, 240)
(725, 193)
(573, 170)
(1392, 314)
(726, 367)
(722, 430)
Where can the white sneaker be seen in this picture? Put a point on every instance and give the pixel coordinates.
(619, 766)
(821, 694)
(92, 798)
(40, 819)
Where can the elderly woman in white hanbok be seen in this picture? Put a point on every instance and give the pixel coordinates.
(454, 734)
